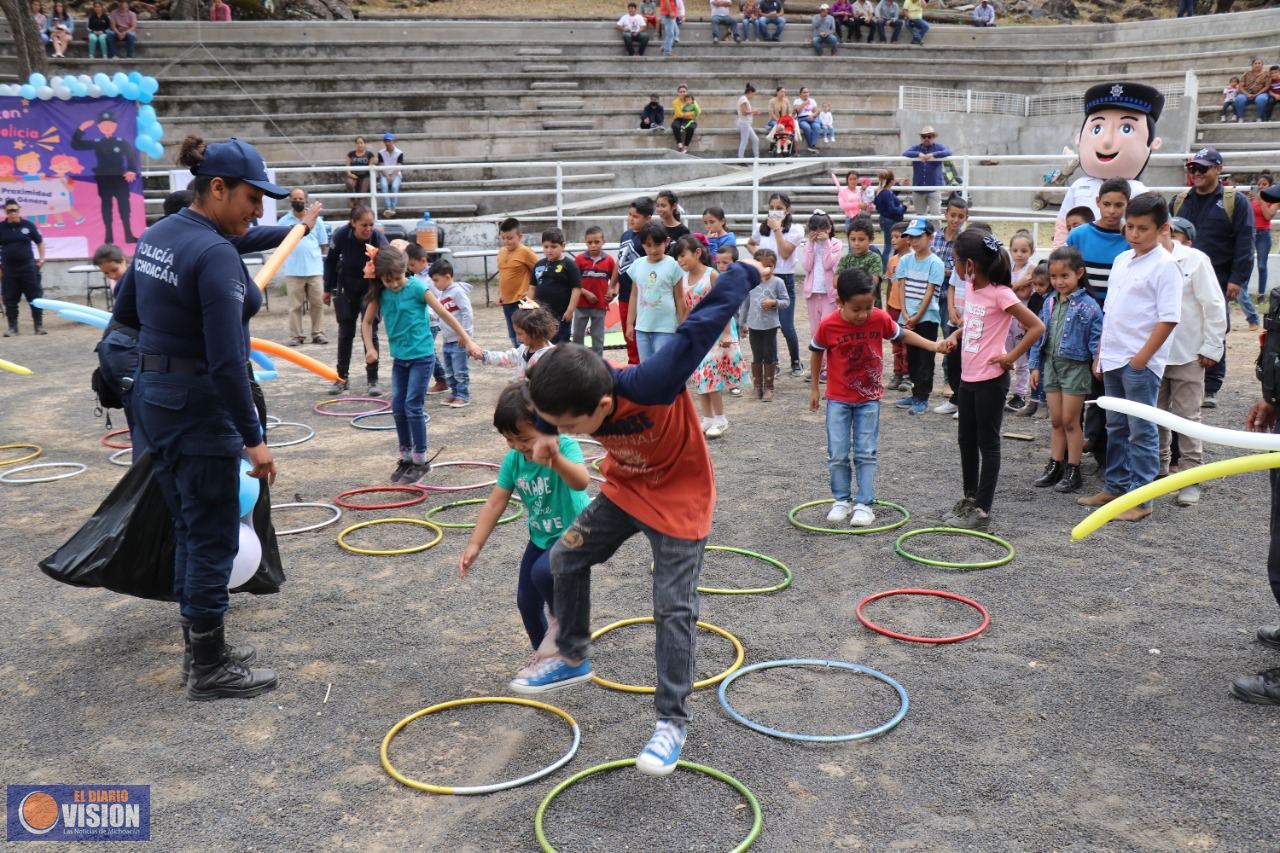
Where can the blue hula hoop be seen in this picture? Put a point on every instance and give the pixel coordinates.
(853, 667)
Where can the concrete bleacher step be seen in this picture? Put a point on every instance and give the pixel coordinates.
(545, 69)
(553, 85)
(561, 104)
(539, 51)
(578, 145)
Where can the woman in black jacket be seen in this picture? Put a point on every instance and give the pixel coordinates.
(345, 285)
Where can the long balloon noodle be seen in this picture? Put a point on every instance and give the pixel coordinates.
(1204, 432)
(59, 305)
(273, 264)
(81, 317)
(1190, 477)
(14, 368)
(303, 361)
(261, 360)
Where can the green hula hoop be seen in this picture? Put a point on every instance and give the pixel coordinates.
(430, 516)
(955, 531)
(757, 815)
(813, 528)
(760, 590)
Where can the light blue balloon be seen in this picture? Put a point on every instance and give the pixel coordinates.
(134, 76)
(249, 488)
(129, 90)
(143, 142)
(147, 114)
(157, 151)
(150, 85)
(109, 90)
(155, 130)
(101, 79)
(119, 77)
(144, 98)
(27, 91)
(37, 80)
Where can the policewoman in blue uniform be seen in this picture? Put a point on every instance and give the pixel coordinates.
(191, 398)
(19, 268)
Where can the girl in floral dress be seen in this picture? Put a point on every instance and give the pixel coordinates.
(722, 366)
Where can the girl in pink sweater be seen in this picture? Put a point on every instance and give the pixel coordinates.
(821, 254)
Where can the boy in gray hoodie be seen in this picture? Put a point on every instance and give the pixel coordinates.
(455, 296)
(761, 321)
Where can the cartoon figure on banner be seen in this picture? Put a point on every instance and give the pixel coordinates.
(64, 166)
(29, 165)
(1115, 141)
(6, 169)
(117, 168)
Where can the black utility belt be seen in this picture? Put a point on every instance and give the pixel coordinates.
(173, 364)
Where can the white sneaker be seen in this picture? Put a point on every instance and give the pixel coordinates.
(706, 423)
(662, 752)
(839, 512)
(946, 408)
(718, 427)
(862, 516)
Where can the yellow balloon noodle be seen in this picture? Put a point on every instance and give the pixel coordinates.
(273, 264)
(14, 368)
(1190, 477)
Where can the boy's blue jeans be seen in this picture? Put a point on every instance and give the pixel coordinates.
(408, 390)
(852, 426)
(456, 371)
(596, 534)
(390, 190)
(918, 28)
(1133, 444)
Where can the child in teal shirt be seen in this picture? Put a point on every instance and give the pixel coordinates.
(657, 303)
(553, 497)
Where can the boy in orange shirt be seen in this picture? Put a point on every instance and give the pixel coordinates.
(658, 481)
(515, 270)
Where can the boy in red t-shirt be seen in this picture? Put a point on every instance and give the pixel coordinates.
(852, 338)
(596, 269)
(658, 481)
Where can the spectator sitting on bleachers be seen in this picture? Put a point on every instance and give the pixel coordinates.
(60, 29)
(357, 179)
(824, 31)
(1273, 91)
(863, 15)
(771, 15)
(653, 116)
(390, 180)
(633, 27)
(42, 21)
(749, 28)
(722, 18)
(984, 14)
(124, 30)
(1253, 90)
(888, 13)
(219, 11)
(778, 106)
(913, 11)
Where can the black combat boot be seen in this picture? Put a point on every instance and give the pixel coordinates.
(1070, 481)
(216, 676)
(245, 654)
(1052, 474)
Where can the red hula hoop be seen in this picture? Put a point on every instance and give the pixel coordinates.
(415, 490)
(937, 593)
(106, 439)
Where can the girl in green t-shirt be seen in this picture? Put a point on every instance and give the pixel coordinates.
(553, 496)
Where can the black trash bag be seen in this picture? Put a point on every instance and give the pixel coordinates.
(127, 545)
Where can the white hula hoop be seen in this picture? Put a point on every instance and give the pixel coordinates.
(311, 433)
(272, 420)
(114, 458)
(337, 514)
(79, 467)
(1204, 432)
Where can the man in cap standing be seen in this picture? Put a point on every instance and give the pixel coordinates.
(926, 171)
(1223, 220)
(117, 168)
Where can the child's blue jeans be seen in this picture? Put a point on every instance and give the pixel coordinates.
(852, 427)
(408, 390)
(456, 371)
(535, 592)
(1133, 444)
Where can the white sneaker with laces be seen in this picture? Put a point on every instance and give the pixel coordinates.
(706, 423)
(718, 426)
(663, 750)
(946, 408)
(862, 516)
(839, 512)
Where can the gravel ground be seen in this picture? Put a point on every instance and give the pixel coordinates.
(1092, 715)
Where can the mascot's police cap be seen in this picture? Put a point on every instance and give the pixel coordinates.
(1134, 96)
(106, 115)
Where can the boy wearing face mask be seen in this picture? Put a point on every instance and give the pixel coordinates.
(304, 273)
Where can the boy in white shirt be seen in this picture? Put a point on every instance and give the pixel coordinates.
(1146, 286)
(826, 124)
(1196, 344)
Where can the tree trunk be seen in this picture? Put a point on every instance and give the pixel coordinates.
(26, 38)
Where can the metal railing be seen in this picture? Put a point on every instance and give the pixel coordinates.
(929, 99)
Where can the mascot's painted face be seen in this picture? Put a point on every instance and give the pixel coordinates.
(1116, 143)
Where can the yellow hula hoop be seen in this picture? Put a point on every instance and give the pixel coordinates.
(697, 685)
(369, 552)
(37, 448)
(479, 789)
(1190, 477)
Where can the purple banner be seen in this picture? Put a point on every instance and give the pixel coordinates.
(73, 168)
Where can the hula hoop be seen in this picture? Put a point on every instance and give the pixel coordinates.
(937, 593)
(460, 526)
(311, 433)
(337, 514)
(904, 703)
(697, 685)
(813, 528)
(463, 464)
(272, 420)
(37, 450)
(763, 590)
(356, 421)
(79, 467)
(319, 408)
(369, 552)
(480, 789)
(421, 495)
(114, 458)
(596, 458)
(954, 531)
(106, 439)
(757, 815)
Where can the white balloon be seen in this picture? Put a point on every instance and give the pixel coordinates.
(247, 558)
(62, 93)
(44, 93)
(55, 81)
(1204, 432)
(94, 90)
